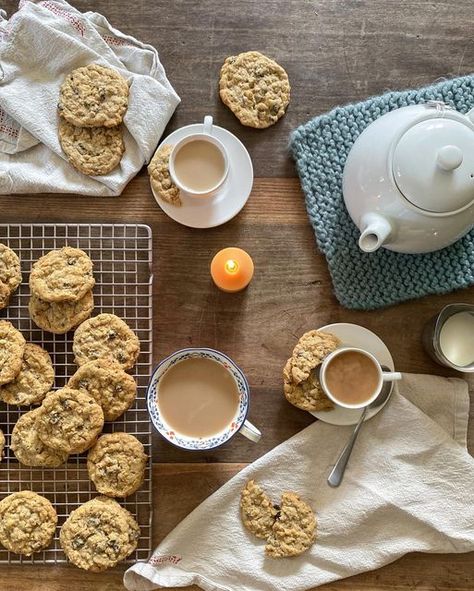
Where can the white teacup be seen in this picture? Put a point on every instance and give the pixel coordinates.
(377, 377)
(185, 185)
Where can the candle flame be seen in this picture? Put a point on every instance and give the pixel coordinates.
(231, 266)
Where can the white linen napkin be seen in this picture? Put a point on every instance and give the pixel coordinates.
(39, 45)
(409, 486)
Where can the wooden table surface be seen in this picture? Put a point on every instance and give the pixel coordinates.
(335, 51)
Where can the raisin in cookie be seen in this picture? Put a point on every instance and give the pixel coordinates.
(93, 96)
(109, 385)
(60, 317)
(27, 522)
(310, 352)
(294, 530)
(257, 511)
(133, 527)
(106, 335)
(62, 275)
(96, 536)
(94, 151)
(29, 449)
(69, 420)
(307, 395)
(10, 271)
(160, 178)
(255, 88)
(12, 348)
(35, 379)
(116, 464)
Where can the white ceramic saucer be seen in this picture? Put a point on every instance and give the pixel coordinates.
(355, 336)
(208, 212)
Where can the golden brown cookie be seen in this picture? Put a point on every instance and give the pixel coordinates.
(28, 447)
(4, 295)
(27, 522)
(62, 275)
(257, 511)
(109, 385)
(2, 445)
(307, 395)
(94, 151)
(93, 96)
(160, 178)
(69, 420)
(294, 530)
(310, 352)
(133, 527)
(255, 88)
(35, 379)
(12, 348)
(96, 536)
(106, 335)
(116, 464)
(60, 317)
(10, 270)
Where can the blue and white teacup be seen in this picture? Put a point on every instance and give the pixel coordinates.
(239, 423)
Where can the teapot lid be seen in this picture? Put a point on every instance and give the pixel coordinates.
(433, 165)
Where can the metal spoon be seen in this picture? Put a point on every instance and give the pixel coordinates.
(337, 473)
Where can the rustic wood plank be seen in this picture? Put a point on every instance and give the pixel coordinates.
(192, 483)
(334, 52)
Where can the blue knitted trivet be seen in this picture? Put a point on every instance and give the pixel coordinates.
(361, 280)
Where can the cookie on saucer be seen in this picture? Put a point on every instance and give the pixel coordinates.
(27, 522)
(310, 352)
(35, 379)
(255, 88)
(93, 96)
(307, 395)
(160, 178)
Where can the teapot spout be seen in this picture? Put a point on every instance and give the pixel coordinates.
(376, 230)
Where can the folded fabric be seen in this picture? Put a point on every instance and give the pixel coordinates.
(39, 45)
(409, 486)
(361, 280)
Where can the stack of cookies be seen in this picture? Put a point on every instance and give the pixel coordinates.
(61, 285)
(289, 528)
(300, 382)
(92, 103)
(10, 274)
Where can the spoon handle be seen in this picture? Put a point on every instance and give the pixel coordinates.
(337, 473)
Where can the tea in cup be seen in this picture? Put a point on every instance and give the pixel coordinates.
(353, 378)
(199, 163)
(199, 399)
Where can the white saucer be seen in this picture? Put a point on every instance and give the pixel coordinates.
(355, 336)
(208, 212)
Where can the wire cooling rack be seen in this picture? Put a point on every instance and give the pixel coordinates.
(121, 254)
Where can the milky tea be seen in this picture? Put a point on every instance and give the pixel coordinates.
(199, 165)
(198, 397)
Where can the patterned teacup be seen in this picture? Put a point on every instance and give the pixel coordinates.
(239, 424)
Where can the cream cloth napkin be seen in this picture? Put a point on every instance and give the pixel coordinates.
(409, 486)
(39, 45)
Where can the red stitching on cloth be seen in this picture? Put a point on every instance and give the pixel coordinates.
(55, 9)
(114, 40)
(11, 131)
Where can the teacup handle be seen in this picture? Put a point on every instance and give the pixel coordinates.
(207, 125)
(391, 376)
(250, 431)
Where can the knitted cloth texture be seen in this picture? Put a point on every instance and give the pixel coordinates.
(368, 281)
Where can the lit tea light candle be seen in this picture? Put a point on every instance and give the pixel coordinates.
(232, 269)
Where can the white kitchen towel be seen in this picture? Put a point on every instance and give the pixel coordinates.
(409, 486)
(39, 45)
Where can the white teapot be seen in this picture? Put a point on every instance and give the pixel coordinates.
(408, 182)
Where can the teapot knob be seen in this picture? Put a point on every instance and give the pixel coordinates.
(449, 157)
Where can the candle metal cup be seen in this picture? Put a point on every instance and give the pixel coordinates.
(232, 269)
